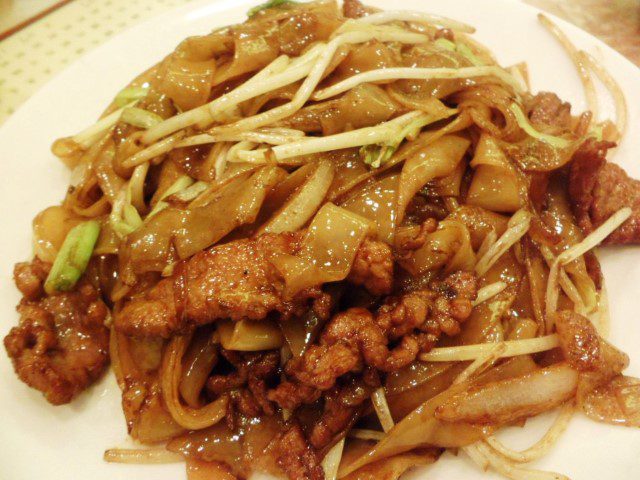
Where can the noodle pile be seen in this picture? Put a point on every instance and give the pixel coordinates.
(303, 119)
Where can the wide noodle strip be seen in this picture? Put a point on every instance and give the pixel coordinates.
(328, 249)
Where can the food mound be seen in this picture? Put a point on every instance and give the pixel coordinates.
(333, 242)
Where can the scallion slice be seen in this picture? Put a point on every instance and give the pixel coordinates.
(130, 94)
(140, 118)
(73, 257)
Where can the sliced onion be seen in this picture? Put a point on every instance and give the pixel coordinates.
(514, 399)
(417, 429)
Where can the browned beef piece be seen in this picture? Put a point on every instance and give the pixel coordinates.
(296, 457)
(238, 281)
(61, 344)
(549, 113)
(356, 338)
(599, 188)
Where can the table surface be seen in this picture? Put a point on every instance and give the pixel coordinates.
(33, 54)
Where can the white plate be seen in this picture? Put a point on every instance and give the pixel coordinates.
(40, 441)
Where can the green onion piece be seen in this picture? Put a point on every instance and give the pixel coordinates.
(269, 4)
(597, 131)
(523, 123)
(140, 118)
(177, 186)
(466, 52)
(462, 48)
(377, 155)
(130, 94)
(445, 44)
(73, 257)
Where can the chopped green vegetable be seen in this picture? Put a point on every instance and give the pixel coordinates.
(140, 118)
(466, 52)
(377, 155)
(73, 257)
(445, 44)
(180, 184)
(269, 4)
(462, 48)
(130, 94)
(523, 123)
(597, 131)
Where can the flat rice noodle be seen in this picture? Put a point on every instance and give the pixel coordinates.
(185, 81)
(418, 429)
(485, 323)
(509, 368)
(253, 50)
(559, 217)
(533, 155)
(150, 248)
(413, 375)
(110, 182)
(200, 470)
(199, 360)
(496, 185)
(153, 424)
(371, 55)
(617, 402)
(363, 106)
(237, 204)
(537, 277)
(449, 185)
(327, 251)
(170, 171)
(299, 24)
(393, 468)
(50, 228)
(206, 47)
(301, 332)
(256, 444)
(449, 247)
(483, 102)
(304, 203)
(439, 159)
(411, 148)
(349, 167)
(432, 56)
(147, 419)
(279, 95)
(480, 222)
(405, 402)
(377, 202)
(280, 193)
(213, 444)
(506, 401)
(408, 400)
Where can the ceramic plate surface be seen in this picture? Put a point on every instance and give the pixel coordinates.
(38, 441)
